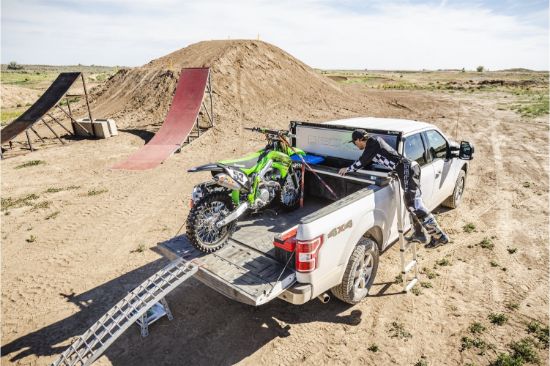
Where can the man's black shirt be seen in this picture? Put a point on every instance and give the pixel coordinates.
(379, 152)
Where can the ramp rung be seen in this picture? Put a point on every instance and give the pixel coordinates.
(411, 284)
(409, 266)
(407, 246)
(88, 347)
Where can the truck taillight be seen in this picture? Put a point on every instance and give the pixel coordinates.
(191, 203)
(307, 254)
(286, 240)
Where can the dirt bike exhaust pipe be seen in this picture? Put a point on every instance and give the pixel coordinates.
(238, 212)
(324, 298)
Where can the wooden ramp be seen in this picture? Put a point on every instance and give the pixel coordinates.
(47, 101)
(178, 124)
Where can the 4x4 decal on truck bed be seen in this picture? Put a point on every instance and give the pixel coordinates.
(340, 229)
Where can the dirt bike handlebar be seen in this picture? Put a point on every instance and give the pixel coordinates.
(266, 131)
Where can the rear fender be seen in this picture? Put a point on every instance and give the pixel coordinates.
(238, 175)
(216, 168)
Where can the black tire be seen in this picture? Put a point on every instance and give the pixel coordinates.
(453, 201)
(212, 201)
(286, 201)
(356, 282)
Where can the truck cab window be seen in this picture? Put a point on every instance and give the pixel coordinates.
(414, 149)
(437, 145)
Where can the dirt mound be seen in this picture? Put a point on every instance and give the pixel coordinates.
(251, 80)
(17, 97)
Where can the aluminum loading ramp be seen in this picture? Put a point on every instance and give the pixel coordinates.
(88, 347)
(179, 122)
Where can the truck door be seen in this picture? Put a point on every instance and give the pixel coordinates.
(415, 149)
(437, 148)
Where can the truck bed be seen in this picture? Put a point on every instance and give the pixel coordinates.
(245, 269)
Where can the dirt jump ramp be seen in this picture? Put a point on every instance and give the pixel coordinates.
(179, 122)
(47, 101)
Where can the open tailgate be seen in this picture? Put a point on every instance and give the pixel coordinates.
(237, 271)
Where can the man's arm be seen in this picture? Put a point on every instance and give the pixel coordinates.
(364, 160)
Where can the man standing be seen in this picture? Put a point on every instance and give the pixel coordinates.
(376, 150)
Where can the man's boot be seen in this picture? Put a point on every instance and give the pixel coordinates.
(438, 236)
(418, 234)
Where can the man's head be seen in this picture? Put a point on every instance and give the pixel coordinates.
(359, 138)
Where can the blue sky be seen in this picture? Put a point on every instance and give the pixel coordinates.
(351, 34)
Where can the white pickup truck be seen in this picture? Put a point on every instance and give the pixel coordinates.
(331, 243)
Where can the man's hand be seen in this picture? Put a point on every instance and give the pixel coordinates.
(343, 171)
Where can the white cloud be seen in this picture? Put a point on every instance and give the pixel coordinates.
(388, 35)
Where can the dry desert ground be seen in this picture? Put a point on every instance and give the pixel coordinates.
(76, 235)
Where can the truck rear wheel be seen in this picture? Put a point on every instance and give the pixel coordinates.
(360, 273)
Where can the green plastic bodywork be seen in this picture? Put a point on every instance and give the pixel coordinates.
(253, 163)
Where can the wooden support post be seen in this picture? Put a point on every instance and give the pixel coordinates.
(59, 123)
(208, 114)
(74, 120)
(29, 140)
(36, 133)
(51, 129)
(211, 103)
(88, 104)
(69, 107)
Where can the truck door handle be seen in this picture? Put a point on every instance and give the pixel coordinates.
(437, 174)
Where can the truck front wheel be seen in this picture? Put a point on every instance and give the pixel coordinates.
(454, 200)
(360, 273)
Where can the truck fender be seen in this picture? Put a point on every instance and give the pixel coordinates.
(369, 226)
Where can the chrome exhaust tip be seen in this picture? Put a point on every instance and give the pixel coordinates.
(324, 298)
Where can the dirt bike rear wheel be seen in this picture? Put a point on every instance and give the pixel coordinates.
(289, 196)
(201, 222)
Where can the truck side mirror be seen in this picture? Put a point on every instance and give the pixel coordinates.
(466, 151)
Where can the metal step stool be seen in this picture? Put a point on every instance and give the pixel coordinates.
(405, 246)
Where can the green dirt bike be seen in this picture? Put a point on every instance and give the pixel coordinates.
(243, 185)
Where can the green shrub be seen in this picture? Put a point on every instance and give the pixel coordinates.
(524, 349)
(498, 318)
(53, 215)
(95, 192)
(539, 331)
(468, 343)
(468, 228)
(397, 330)
(373, 348)
(8, 202)
(476, 328)
(30, 163)
(487, 243)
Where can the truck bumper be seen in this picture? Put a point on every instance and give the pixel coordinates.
(298, 294)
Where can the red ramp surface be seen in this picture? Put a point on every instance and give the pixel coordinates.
(47, 101)
(177, 125)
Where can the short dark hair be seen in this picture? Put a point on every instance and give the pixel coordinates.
(359, 134)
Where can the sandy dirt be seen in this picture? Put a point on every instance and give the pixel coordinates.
(88, 234)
